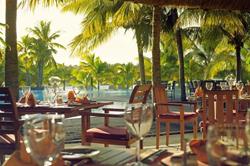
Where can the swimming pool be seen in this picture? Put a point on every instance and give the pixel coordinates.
(101, 95)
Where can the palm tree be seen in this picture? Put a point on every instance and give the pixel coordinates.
(44, 46)
(32, 4)
(232, 24)
(210, 54)
(102, 18)
(11, 60)
(156, 70)
(2, 42)
(128, 74)
(26, 56)
(95, 67)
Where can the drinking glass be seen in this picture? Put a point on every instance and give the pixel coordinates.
(227, 145)
(25, 90)
(231, 80)
(240, 86)
(44, 137)
(49, 95)
(77, 89)
(138, 119)
(209, 85)
(223, 85)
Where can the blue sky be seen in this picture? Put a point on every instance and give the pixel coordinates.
(121, 48)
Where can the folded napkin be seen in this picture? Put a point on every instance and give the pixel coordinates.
(72, 98)
(22, 158)
(29, 99)
(198, 147)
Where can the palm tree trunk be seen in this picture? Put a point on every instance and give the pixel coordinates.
(98, 85)
(181, 64)
(238, 62)
(141, 58)
(156, 68)
(91, 83)
(11, 61)
(40, 74)
(27, 77)
(181, 58)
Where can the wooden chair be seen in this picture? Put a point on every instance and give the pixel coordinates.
(247, 89)
(219, 107)
(9, 124)
(163, 114)
(116, 135)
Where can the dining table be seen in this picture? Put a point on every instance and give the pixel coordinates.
(68, 110)
(105, 156)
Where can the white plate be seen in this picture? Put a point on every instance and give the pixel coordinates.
(79, 154)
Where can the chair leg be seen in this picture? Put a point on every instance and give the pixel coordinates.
(1, 158)
(157, 134)
(195, 128)
(141, 144)
(182, 135)
(167, 133)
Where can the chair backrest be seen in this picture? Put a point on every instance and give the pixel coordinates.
(173, 84)
(140, 93)
(160, 97)
(220, 106)
(247, 89)
(9, 123)
(191, 87)
(203, 84)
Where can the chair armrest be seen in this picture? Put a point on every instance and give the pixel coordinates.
(170, 104)
(184, 102)
(107, 115)
(181, 107)
(114, 109)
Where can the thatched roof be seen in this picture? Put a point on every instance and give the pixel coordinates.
(243, 5)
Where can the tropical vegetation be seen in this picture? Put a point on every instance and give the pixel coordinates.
(186, 45)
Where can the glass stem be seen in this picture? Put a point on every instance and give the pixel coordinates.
(138, 148)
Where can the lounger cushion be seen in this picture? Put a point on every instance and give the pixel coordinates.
(107, 132)
(7, 139)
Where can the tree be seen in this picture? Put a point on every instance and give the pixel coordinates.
(95, 67)
(180, 55)
(44, 47)
(156, 70)
(209, 54)
(26, 57)
(102, 18)
(2, 41)
(232, 24)
(11, 60)
(128, 74)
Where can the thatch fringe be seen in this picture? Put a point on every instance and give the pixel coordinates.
(243, 5)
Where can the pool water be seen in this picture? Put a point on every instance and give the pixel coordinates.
(107, 95)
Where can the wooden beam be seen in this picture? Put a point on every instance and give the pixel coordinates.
(243, 5)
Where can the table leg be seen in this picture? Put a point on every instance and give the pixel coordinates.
(85, 125)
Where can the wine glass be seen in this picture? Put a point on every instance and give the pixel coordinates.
(231, 80)
(44, 137)
(55, 82)
(209, 85)
(138, 119)
(227, 145)
(48, 95)
(223, 85)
